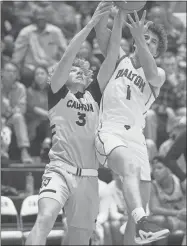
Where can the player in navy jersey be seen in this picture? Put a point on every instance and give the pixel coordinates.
(134, 83)
(70, 179)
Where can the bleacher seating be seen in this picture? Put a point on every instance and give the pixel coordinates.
(28, 214)
(11, 233)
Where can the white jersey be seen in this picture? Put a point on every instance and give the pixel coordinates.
(126, 98)
(73, 119)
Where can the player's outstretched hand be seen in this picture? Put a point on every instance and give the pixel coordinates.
(138, 27)
(102, 9)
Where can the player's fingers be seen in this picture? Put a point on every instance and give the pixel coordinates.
(103, 9)
(103, 13)
(127, 24)
(131, 19)
(105, 4)
(143, 16)
(136, 16)
(148, 24)
(102, 5)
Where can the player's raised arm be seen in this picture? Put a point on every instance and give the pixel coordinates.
(61, 73)
(103, 34)
(154, 76)
(109, 64)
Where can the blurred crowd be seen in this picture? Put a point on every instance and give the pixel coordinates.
(34, 36)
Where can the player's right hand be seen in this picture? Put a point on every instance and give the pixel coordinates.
(102, 9)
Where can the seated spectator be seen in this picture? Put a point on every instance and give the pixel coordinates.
(5, 140)
(152, 149)
(9, 46)
(175, 125)
(39, 44)
(14, 107)
(170, 96)
(115, 228)
(168, 202)
(102, 218)
(37, 110)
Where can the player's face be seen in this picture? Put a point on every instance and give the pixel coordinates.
(152, 42)
(77, 76)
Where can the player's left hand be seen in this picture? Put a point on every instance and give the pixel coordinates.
(138, 27)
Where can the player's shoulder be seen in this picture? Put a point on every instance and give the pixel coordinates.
(161, 74)
(55, 98)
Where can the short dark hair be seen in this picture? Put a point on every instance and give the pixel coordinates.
(159, 30)
(42, 67)
(158, 158)
(13, 64)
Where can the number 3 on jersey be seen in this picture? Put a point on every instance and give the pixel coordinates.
(82, 120)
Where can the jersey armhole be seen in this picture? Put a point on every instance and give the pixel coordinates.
(54, 98)
(95, 91)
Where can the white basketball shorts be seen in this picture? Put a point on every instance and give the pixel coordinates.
(135, 147)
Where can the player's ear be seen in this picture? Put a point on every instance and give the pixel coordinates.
(156, 54)
(133, 46)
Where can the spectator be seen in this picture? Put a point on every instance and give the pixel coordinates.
(167, 203)
(175, 125)
(86, 53)
(170, 96)
(39, 44)
(152, 149)
(14, 107)
(9, 46)
(96, 50)
(114, 230)
(23, 12)
(5, 140)
(104, 201)
(37, 110)
(173, 26)
(64, 16)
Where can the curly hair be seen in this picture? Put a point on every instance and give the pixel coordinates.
(85, 66)
(78, 62)
(159, 30)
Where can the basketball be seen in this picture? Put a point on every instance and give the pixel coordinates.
(130, 6)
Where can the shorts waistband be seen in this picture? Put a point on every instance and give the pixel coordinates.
(82, 172)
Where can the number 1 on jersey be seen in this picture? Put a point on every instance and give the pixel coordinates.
(128, 97)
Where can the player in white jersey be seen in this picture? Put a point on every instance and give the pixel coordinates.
(134, 83)
(70, 180)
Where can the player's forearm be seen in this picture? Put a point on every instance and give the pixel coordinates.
(109, 64)
(147, 62)
(177, 148)
(60, 76)
(164, 211)
(41, 111)
(103, 34)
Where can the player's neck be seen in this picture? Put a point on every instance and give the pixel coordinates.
(76, 88)
(135, 60)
